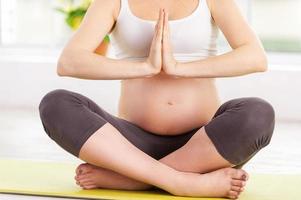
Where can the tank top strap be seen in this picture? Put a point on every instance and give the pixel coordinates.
(200, 5)
(198, 10)
(125, 5)
(123, 8)
(204, 7)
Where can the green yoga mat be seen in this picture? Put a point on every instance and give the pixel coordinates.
(56, 179)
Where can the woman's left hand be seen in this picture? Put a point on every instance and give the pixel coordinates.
(169, 63)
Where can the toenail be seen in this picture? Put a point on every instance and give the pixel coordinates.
(80, 171)
(244, 177)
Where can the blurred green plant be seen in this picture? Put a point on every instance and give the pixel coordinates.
(75, 10)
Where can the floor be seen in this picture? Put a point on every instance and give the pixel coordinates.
(22, 137)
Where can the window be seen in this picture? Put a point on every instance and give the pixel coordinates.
(278, 24)
(31, 23)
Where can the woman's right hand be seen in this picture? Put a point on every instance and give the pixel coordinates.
(154, 60)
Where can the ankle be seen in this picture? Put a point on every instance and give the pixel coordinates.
(181, 183)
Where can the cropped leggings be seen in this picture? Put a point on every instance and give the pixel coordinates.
(238, 130)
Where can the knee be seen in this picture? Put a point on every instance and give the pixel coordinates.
(52, 103)
(258, 119)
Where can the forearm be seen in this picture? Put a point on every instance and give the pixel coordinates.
(87, 65)
(241, 61)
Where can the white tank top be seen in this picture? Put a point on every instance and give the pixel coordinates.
(193, 37)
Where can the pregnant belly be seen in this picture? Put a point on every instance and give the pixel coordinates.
(168, 106)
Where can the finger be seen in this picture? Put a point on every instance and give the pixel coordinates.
(160, 25)
(155, 37)
(165, 22)
(158, 39)
(166, 38)
(166, 28)
(158, 21)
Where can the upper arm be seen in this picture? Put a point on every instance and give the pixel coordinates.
(98, 21)
(228, 17)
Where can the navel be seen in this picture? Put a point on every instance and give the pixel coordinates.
(169, 103)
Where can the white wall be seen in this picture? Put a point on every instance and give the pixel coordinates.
(280, 87)
(24, 84)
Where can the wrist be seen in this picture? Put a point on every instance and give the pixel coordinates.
(149, 69)
(172, 69)
(176, 69)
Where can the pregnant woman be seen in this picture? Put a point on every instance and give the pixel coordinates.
(171, 132)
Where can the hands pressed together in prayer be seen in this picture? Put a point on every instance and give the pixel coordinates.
(160, 55)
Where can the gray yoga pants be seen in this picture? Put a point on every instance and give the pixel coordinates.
(238, 130)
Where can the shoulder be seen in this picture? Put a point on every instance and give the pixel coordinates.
(112, 6)
(219, 5)
(224, 9)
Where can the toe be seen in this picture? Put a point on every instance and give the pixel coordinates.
(83, 185)
(233, 197)
(239, 174)
(84, 176)
(88, 187)
(86, 181)
(233, 194)
(79, 168)
(247, 176)
(76, 177)
(238, 183)
(237, 189)
(84, 168)
(76, 180)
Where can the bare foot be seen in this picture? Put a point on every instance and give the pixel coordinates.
(226, 182)
(89, 176)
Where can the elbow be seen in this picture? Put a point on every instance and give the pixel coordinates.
(64, 66)
(60, 68)
(261, 63)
